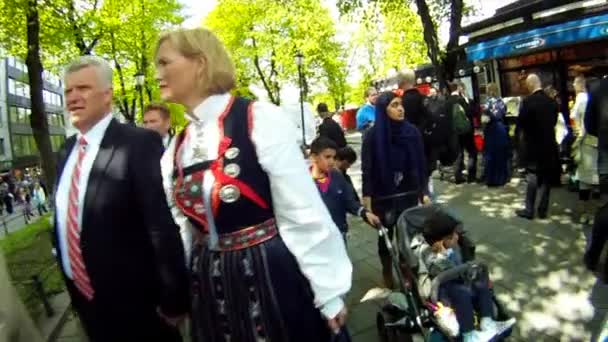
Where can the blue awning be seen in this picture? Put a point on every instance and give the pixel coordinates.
(551, 36)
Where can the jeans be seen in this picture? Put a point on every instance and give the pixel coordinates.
(464, 299)
(537, 183)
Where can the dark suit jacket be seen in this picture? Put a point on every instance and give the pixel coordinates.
(130, 245)
(332, 130)
(536, 121)
(415, 111)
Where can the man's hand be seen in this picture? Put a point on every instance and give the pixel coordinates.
(336, 323)
(172, 321)
(372, 219)
(426, 200)
(367, 203)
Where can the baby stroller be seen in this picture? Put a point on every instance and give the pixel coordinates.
(406, 312)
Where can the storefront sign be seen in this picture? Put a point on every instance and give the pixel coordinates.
(551, 36)
(534, 43)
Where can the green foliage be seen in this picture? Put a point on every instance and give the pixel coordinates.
(263, 37)
(28, 253)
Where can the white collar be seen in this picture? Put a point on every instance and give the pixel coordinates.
(210, 108)
(94, 135)
(456, 93)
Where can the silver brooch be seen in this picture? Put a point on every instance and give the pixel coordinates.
(232, 170)
(232, 152)
(229, 194)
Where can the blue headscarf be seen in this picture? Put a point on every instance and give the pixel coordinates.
(398, 149)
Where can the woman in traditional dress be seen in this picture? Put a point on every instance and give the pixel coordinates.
(267, 262)
(394, 170)
(497, 149)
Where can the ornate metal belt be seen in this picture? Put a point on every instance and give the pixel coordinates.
(248, 237)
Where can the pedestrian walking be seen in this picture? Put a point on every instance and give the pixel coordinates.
(329, 128)
(39, 198)
(466, 137)
(497, 147)
(393, 164)
(584, 154)
(267, 261)
(117, 245)
(539, 152)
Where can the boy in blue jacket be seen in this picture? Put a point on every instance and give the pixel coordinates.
(337, 194)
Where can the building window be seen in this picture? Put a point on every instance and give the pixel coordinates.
(11, 86)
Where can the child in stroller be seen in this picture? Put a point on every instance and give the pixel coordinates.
(411, 310)
(439, 253)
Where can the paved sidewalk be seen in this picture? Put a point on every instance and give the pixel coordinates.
(535, 265)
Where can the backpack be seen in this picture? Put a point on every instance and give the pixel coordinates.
(461, 123)
(439, 131)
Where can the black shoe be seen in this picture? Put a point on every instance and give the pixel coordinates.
(459, 181)
(523, 213)
(542, 214)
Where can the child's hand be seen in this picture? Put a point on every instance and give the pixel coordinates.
(372, 219)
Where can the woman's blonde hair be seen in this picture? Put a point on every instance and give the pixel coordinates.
(492, 89)
(201, 43)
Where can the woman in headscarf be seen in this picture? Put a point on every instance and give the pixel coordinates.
(497, 149)
(394, 170)
(267, 261)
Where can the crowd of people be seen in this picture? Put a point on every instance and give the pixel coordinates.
(238, 234)
(27, 191)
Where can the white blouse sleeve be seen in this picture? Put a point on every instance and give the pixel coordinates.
(185, 227)
(302, 218)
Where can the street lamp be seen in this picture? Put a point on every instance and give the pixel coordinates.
(299, 61)
(140, 79)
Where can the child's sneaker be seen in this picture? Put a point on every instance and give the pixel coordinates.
(478, 336)
(497, 327)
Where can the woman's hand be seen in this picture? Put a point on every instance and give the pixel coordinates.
(426, 199)
(336, 323)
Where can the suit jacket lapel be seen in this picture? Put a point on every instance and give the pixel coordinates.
(62, 158)
(104, 155)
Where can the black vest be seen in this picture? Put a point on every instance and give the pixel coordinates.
(232, 216)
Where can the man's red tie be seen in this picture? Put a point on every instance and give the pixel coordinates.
(79, 272)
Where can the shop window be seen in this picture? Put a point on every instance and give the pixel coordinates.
(12, 114)
(514, 82)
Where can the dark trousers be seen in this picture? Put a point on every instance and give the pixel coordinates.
(107, 320)
(466, 144)
(537, 183)
(464, 299)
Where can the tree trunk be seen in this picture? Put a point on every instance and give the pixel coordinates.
(128, 113)
(449, 61)
(38, 119)
(431, 40)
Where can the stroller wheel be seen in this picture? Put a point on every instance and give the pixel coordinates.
(381, 320)
(388, 334)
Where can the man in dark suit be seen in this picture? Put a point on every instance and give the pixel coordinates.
(116, 242)
(157, 117)
(539, 153)
(329, 128)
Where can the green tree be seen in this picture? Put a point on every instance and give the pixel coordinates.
(432, 13)
(129, 29)
(263, 37)
(25, 27)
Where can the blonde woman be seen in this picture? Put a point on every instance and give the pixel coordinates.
(267, 261)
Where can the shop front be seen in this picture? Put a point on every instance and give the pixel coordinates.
(556, 53)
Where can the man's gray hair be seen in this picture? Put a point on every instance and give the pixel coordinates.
(406, 76)
(103, 69)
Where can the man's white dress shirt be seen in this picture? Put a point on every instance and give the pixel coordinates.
(93, 138)
(302, 218)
